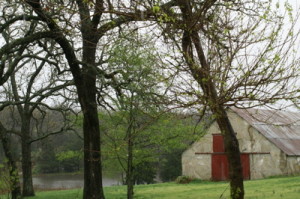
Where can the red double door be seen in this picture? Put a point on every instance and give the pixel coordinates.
(219, 163)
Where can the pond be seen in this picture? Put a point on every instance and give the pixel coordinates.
(67, 181)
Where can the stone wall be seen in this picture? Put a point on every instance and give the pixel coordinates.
(198, 166)
(293, 165)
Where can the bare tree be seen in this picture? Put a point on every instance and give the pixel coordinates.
(239, 56)
(29, 87)
(7, 66)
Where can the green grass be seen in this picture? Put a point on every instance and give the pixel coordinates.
(272, 188)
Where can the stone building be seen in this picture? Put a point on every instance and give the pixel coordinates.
(269, 142)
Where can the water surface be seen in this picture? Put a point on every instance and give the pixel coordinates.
(67, 181)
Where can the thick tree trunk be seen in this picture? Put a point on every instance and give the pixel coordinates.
(85, 82)
(93, 188)
(15, 186)
(26, 157)
(92, 154)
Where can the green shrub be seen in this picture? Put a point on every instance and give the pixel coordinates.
(183, 179)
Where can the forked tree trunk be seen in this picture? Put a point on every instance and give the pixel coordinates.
(26, 116)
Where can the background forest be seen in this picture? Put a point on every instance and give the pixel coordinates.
(157, 150)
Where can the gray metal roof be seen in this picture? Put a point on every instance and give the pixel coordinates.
(280, 127)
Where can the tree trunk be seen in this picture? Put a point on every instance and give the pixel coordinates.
(92, 158)
(230, 141)
(129, 175)
(26, 116)
(233, 153)
(93, 188)
(201, 72)
(15, 186)
(26, 157)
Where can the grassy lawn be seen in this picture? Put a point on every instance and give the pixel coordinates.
(272, 188)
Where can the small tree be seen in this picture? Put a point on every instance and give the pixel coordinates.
(28, 93)
(8, 64)
(136, 96)
(139, 130)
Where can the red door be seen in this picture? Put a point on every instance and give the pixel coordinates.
(219, 162)
(218, 143)
(246, 166)
(220, 169)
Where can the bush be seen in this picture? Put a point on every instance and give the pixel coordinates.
(183, 179)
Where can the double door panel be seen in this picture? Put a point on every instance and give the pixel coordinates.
(220, 167)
